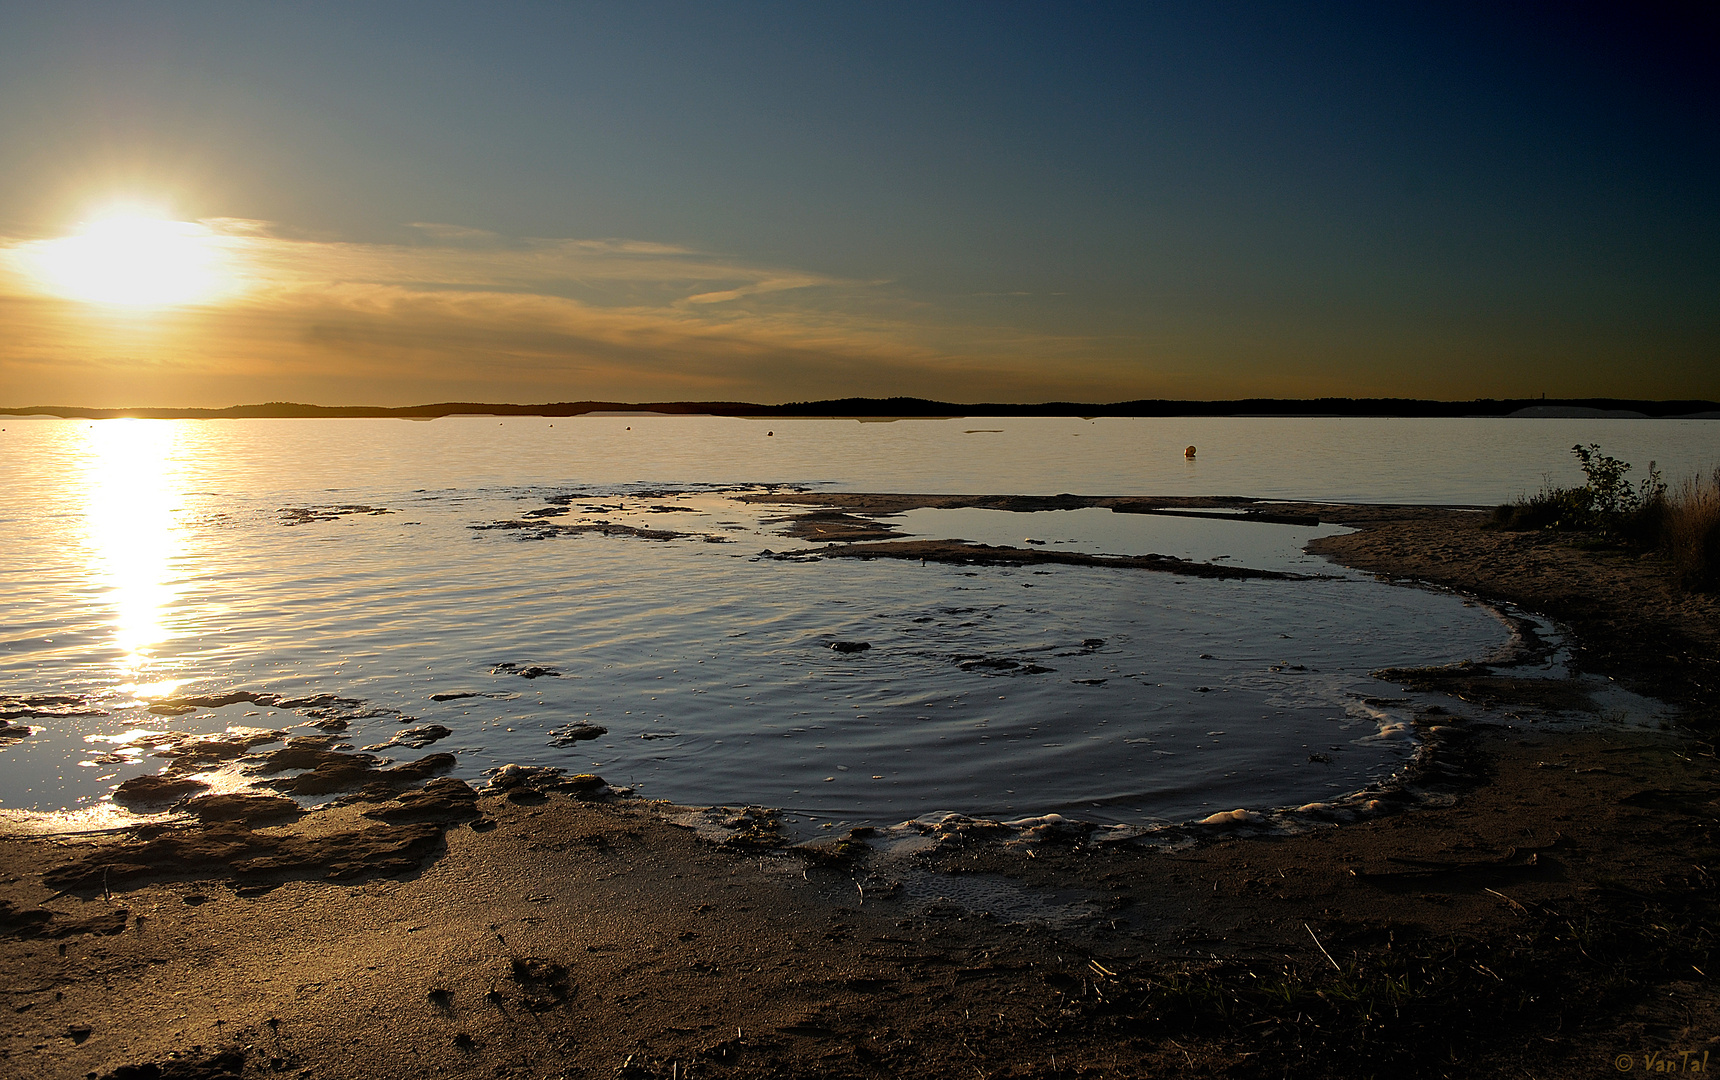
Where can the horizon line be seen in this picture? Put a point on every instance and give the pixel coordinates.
(923, 408)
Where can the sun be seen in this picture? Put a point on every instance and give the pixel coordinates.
(135, 260)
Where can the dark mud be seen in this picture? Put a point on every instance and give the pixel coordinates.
(252, 857)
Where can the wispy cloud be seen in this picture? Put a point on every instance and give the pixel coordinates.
(461, 312)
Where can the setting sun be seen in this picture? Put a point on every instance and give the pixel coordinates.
(135, 260)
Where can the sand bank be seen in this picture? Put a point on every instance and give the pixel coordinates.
(1528, 901)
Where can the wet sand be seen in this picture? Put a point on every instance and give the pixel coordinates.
(1527, 902)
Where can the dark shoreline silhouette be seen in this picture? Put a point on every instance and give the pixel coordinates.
(922, 408)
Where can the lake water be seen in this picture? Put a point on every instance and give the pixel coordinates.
(147, 560)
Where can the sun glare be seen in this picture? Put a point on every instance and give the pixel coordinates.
(129, 486)
(135, 260)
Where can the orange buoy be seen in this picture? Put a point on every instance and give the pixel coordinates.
(1189, 453)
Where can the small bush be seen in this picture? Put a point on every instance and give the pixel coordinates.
(1553, 508)
(1607, 504)
(1690, 532)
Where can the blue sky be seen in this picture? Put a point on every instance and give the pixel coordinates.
(777, 202)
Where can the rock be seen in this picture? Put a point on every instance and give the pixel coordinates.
(443, 799)
(46, 705)
(514, 776)
(316, 742)
(332, 770)
(540, 778)
(196, 754)
(453, 696)
(415, 738)
(585, 785)
(246, 808)
(156, 790)
(576, 733)
(533, 671)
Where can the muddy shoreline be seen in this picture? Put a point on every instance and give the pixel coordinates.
(1529, 902)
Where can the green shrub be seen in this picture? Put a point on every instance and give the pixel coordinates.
(1607, 504)
(1553, 508)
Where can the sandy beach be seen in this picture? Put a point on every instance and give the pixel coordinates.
(1523, 901)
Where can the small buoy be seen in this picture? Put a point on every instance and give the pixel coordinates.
(768, 434)
(1189, 453)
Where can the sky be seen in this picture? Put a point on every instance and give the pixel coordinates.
(383, 203)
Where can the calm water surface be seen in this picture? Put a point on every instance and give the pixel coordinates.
(149, 559)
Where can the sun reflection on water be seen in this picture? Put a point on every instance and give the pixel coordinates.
(130, 492)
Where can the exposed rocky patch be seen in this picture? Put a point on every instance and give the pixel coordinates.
(526, 671)
(416, 738)
(963, 553)
(572, 733)
(193, 753)
(539, 779)
(320, 706)
(539, 529)
(331, 771)
(444, 799)
(834, 526)
(250, 809)
(305, 515)
(46, 706)
(156, 790)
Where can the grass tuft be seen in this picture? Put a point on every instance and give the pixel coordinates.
(1690, 534)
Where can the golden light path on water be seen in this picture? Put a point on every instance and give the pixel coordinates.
(130, 492)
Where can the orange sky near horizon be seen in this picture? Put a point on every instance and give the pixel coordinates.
(224, 312)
